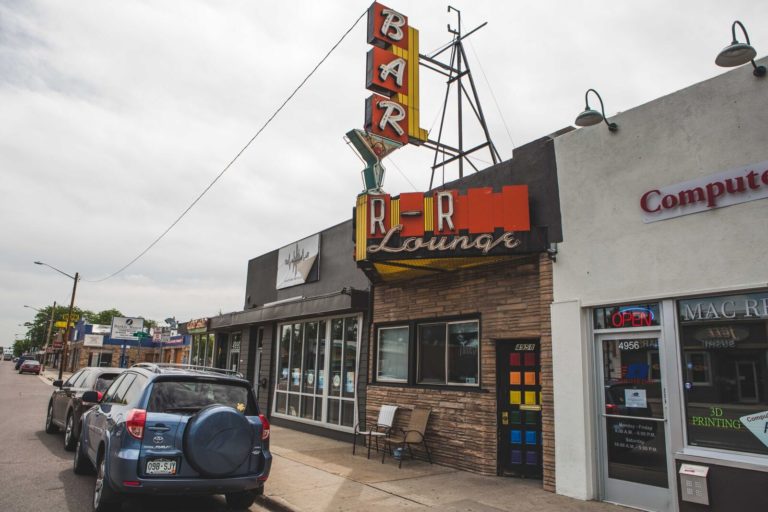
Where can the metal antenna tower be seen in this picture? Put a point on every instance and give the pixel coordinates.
(456, 71)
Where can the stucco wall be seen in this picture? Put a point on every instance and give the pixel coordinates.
(610, 256)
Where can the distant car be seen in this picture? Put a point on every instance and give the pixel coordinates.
(30, 366)
(7, 356)
(170, 430)
(66, 406)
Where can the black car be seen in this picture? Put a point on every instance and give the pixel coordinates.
(165, 429)
(66, 405)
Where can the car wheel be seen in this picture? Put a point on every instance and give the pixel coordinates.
(104, 498)
(239, 500)
(82, 465)
(50, 428)
(70, 437)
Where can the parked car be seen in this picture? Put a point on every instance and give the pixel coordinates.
(20, 360)
(7, 356)
(30, 366)
(162, 429)
(66, 406)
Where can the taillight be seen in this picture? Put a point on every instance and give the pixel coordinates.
(610, 408)
(135, 422)
(264, 427)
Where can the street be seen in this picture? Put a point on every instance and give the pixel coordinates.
(37, 472)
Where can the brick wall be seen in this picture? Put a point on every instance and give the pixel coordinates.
(513, 300)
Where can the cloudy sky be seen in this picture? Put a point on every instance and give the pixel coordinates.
(115, 115)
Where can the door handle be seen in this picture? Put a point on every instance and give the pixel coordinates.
(159, 428)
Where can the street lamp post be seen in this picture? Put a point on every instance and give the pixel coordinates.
(65, 343)
(50, 328)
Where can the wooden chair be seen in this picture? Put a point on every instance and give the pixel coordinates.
(415, 433)
(380, 430)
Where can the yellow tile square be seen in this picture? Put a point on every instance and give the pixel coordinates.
(530, 398)
(514, 397)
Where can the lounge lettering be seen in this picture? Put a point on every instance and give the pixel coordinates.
(484, 242)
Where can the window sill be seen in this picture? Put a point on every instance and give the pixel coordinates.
(723, 458)
(405, 385)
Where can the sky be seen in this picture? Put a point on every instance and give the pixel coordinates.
(116, 115)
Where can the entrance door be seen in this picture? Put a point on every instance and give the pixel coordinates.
(633, 424)
(519, 408)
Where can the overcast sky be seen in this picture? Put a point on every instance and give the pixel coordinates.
(117, 114)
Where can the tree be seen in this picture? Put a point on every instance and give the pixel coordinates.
(103, 317)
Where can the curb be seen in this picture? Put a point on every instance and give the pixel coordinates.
(274, 503)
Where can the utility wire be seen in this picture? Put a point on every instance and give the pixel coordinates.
(237, 156)
(495, 101)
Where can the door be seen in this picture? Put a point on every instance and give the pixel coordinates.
(632, 421)
(747, 381)
(519, 408)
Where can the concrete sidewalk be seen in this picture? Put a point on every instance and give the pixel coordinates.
(313, 474)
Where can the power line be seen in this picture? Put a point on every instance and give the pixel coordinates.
(237, 156)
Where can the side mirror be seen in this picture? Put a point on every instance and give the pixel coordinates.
(58, 383)
(91, 397)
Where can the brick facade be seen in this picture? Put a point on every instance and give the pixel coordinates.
(513, 300)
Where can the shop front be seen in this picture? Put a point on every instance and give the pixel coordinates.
(303, 333)
(659, 320)
(461, 293)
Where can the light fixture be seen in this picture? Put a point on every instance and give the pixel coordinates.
(591, 117)
(738, 53)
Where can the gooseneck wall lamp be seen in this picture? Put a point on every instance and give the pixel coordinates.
(75, 278)
(591, 117)
(736, 53)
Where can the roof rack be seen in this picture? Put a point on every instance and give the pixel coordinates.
(156, 367)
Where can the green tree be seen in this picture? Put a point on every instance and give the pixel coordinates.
(103, 317)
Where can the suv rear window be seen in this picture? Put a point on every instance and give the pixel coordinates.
(190, 396)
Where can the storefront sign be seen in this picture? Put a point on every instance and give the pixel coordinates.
(627, 317)
(101, 329)
(754, 305)
(123, 328)
(392, 72)
(441, 224)
(93, 340)
(197, 325)
(758, 425)
(734, 186)
(298, 263)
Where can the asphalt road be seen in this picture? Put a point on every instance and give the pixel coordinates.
(35, 470)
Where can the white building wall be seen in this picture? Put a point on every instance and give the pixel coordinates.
(610, 256)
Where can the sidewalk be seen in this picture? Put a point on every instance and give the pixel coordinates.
(52, 374)
(314, 474)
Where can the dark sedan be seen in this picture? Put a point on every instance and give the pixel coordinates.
(66, 405)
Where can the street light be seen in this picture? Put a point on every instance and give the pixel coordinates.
(74, 278)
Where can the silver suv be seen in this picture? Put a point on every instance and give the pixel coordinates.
(166, 429)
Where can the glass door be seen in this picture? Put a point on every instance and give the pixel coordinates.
(633, 421)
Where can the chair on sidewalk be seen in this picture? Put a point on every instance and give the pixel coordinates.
(380, 430)
(415, 433)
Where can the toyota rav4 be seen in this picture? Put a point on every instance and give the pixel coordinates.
(164, 429)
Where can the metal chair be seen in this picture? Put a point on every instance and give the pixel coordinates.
(381, 429)
(414, 434)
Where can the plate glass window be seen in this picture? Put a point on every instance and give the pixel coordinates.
(393, 354)
(724, 344)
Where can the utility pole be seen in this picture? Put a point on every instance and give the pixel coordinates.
(65, 344)
(50, 329)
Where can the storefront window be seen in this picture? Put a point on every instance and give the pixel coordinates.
(447, 353)
(724, 343)
(302, 390)
(393, 354)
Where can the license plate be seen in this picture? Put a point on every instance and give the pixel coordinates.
(161, 467)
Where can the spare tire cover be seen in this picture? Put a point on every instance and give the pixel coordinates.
(217, 440)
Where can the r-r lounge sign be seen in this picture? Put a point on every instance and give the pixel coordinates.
(441, 224)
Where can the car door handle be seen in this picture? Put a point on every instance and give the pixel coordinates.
(159, 428)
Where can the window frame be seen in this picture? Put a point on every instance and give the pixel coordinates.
(378, 377)
(413, 352)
